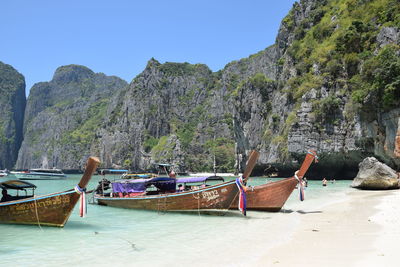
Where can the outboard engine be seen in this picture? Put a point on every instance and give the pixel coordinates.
(104, 185)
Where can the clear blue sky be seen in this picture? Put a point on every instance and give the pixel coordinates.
(118, 37)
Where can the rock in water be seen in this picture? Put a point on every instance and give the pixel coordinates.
(375, 175)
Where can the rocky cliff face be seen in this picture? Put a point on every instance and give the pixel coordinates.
(332, 69)
(342, 113)
(167, 115)
(12, 106)
(330, 83)
(62, 117)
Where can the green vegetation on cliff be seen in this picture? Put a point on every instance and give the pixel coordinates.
(87, 124)
(330, 61)
(64, 116)
(10, 80)
(336, 46)
(380, 79)
(182, 69)
(162, 152)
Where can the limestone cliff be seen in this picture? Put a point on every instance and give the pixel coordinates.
(12, 106)
(330, 82)
(62, 117)
(168, 114)
(337, 88)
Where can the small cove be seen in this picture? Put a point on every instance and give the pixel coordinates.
(113, 236)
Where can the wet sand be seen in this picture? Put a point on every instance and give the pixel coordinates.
(361, 230)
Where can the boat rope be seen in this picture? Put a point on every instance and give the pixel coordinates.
(165, 205)
(225, 211)
(92, 199)
(159, 208)
(198, 195)
(198, 203)
(82, 204)
(233, 200)
(301, 186)
(37, 214)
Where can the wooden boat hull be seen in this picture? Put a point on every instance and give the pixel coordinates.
(218, 196)
(272, 196)
(49, 210)
(268, 197)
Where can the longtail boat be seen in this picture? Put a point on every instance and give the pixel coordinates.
(213, 197)
(40, 174)
(160, 194)
(49, 210)
(272, 196)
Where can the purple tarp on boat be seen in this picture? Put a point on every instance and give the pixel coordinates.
(140, 185)
(191, 179)
(128, 187)
(201, 179)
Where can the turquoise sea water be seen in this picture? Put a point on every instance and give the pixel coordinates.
(115, 237)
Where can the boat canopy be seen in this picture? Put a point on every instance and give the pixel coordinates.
(140, 185)
(199, 179)
(17, 185)
(114, 171)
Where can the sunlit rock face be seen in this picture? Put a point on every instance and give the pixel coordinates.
(375, 175)
(63, 115)
(328, 83)
(12, 107)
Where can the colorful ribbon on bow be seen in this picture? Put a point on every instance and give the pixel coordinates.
(82, 203)
(300, 186)
(242, 195)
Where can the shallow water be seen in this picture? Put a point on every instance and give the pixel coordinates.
(113, 236)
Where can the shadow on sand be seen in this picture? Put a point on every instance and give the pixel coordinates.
(226, 213)
(300, 211)
(308, 212)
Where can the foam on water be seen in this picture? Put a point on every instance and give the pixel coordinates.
(112, 236)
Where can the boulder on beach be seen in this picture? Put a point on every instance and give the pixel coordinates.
(375, 175)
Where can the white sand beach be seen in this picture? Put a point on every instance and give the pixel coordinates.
(361, 230)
